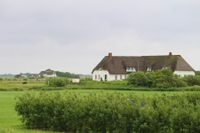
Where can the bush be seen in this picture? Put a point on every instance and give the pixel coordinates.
(197, 73)
(157, 79)
(138, 79)
(192, 80)
(111, 112)
(179, 82)
(24, 82)
(57, 82)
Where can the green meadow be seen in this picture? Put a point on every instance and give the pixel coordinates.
(11, 89)
(20, 84)
(9, 120)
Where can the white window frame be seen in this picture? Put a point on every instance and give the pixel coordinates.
(130, 69)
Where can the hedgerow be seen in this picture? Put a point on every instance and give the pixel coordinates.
(111, 112)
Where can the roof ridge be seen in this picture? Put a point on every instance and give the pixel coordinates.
(146, 56)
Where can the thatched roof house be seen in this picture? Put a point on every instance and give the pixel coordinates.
(118, 67)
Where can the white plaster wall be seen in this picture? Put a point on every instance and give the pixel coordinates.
(110, 77)
(119, 77)
(184, 73)
(100, 74)
(50, 76)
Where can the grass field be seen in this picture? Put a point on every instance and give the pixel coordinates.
(40, 84)
(31, 84)
(11, 84)
(12, 88)
(10, 122)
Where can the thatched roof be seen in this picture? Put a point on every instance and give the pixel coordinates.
(118, 64)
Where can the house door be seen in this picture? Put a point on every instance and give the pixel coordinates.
(106, 77)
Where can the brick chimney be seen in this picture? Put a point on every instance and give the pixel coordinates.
(170, 53)
(110, 55)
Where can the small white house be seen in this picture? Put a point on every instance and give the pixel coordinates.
(76, 80)
(119, 67)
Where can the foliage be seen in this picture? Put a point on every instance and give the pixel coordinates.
(66, 74)
(111, 112)
(197, 73)
(57, 82)
(138, 79)
(158, 79)
(192, 80)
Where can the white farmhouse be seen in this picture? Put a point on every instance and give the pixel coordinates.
(118, 67)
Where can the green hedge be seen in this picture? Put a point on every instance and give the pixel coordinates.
(111, 112)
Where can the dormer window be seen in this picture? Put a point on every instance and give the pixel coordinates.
(165, 67)
(130, 69)
(149, 69)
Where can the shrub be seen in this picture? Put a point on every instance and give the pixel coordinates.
(110, 112)
(179, 82)
(163, 79)
(57, 82)
(138, 79)
(24, 82)
(157, 79)
(197, 73)
(192, 80)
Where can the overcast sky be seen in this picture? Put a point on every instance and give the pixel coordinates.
(74, 35)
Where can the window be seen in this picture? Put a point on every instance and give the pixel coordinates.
(121, 77)
(115, 77)
(130, 69)
(99, 77)
(106, 77)
(165, 67)
(95, 76)
(149, 69)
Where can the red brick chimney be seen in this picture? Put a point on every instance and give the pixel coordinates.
(110, 55)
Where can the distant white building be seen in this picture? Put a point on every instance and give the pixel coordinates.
(76, 80)
(48, 73)
(119, 67)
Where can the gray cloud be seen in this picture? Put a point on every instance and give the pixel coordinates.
(73, 35)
